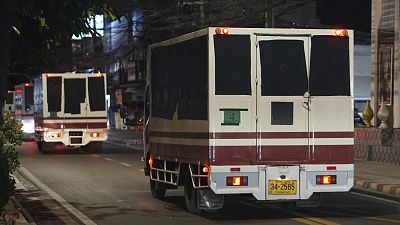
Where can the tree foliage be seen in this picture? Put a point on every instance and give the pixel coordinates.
(42, 29)
(10, 137)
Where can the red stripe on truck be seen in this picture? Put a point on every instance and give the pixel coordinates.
(247, 155)
(73, 118)
(186, 153)
(74, 125)
(251, 135)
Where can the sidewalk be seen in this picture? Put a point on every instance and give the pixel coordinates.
(374, 177)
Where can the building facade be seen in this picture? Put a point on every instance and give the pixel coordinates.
(385, 60)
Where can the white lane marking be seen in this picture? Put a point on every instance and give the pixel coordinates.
(125, 164)
(95, 155)
(109, 159)
(78, 214)
(141, 170)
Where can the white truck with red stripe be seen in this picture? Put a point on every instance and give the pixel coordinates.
(24, 109)
(265, 112)
(70, 110)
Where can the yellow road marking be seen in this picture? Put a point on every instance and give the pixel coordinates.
(305, 221)
(313, 219)
(383, 219)
(125, 164)
(358, 215)
(302, 218)
(109, 159)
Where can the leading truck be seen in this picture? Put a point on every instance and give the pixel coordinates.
(70, 110)
(257, 111)
(24, 109)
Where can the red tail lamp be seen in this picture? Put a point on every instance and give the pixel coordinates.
(237, 181)
(326, 179)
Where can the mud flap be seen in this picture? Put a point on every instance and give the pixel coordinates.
(207, 199)
(313, 202)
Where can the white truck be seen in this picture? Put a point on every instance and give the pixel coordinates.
(24, 109)
(70, 110)
(265, 112)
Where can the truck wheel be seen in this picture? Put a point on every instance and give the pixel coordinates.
(158, 189)
(190, 196)
(47, 147)
(39, 145)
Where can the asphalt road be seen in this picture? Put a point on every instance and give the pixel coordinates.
(110, 188)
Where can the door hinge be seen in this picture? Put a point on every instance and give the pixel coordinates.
(256, 118)
(256, 81)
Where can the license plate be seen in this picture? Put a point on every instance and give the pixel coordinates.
(282, 187)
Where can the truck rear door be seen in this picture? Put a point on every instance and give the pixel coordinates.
(304, 104)
(283, 101)
(232, 98)
(75, 108)
(96, 101)
(331, 114)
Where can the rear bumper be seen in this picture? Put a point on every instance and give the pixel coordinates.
(72, 137)
(258, 177)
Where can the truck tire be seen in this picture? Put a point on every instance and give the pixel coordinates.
(190, 194)
(47, 147)
(158, 189)
(39, 145)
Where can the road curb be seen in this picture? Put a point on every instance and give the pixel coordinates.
(125, 141)
(392, 190)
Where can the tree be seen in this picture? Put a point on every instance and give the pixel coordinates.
(31, 30)
(5, 10)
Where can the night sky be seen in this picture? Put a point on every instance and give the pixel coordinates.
(352, 14)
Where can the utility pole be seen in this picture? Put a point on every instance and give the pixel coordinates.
(202, 19)
(269, 14)
(201, 4)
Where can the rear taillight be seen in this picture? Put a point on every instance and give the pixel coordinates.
(326, 179)
(151, 162)
(237, 181)
(205, 170)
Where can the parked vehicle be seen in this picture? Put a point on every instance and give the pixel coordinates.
(70, 109)
(24, 109)
(259, 111)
